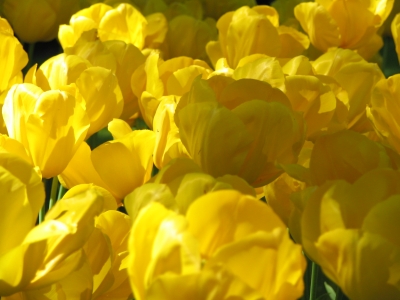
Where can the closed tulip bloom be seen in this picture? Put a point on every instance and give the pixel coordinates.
(248, 31)
(240, 134)
(344, 24)
(51, 125)
(38, 21)
(350, 231)
(384, 109)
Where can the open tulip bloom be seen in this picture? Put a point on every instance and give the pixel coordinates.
(202, 149)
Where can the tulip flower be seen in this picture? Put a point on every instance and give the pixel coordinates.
(197, 34)
(96, 86)
(350, 231)
(278, 192)
(117, 56)
(120, 165)
(384, 109)
(222, 137)
(15, 58)
(38, 21)
(341, 65)
(331, 160)
(51, 125)
(254, 30)
(168, 143)
(157, 78)
(124, 23)
(105, 249)
(50, 251)
(178, 185)
(236, 236)
(339, 23)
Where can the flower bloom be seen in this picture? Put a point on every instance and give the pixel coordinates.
(350, 230)
(38, 21)
(254, 30)
(344, 24)
(51, 125)
(222, 234)
(247, 131)
(120, 165)
(178, 184)
(384, 111)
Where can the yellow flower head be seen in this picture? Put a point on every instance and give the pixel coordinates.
(37, 20)
(350, 230)
(342, 23)
(254, 30)
(247, 131)
(223, 234)
(50, 124)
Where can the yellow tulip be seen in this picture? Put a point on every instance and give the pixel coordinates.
(344, 24)
(157, 78)
(384, 109)
(121, 58)
(278, 192)
(35, 21)
(351, 232)
(196, 33)
(346, 155)
(262, 133)
(254, 30)
(178, 185)
(96, 86)
(169, 247)
(51, 125)
(105, 249)
(14, 59)
(356, 77)
(168, 143)
(50, 251)
(125, 163)
(124, 23)
(214, 251)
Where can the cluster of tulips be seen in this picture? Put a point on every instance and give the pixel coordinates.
(247, 144)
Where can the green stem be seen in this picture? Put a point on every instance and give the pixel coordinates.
(53, 193)
(61, 192)
(42, 213)
(314, 280)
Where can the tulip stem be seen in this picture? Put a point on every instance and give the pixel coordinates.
(314, 280)
(61, 192)
(31, 51)
(42, 212)
(53, 193)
